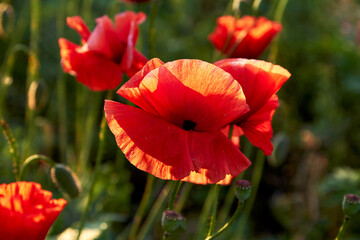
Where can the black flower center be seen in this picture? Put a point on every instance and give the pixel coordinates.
(189, 125)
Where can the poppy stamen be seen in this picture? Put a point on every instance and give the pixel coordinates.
(188, 125)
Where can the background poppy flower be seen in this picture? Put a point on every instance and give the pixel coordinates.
(246, 37)
(260, 82)
(184, 104)
(27, 211)
(106, 53)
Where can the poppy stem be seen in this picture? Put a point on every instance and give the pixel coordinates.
(33, 158)
(236, 8)
(255, 7)
(343, 226)
(151, 33)
(215, 198)
(61, 89)
(256, 178)
(173, 195)
(230, 222)
(183, 196)
(13, 149)
(142, 207)
(155, 211)
(279, 13)
(96, 171)
(32, 70)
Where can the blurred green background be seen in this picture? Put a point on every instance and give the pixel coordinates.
(316, 128)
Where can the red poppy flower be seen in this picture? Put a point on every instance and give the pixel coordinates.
(246, 37)
(260, 82)
(184, 104)
(27, 211)
(106, 53)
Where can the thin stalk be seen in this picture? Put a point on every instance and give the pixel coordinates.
(173, 195)
(34, 158)
(151, 33)
(143, 205)
(255, 7)
(94, 175)
(61, 89)
(256, 178)
(215, 198)
(13, 150)
(229, 223)
(343, 226)
(87, 130)
(183, 197)
(236, 8)
(279, 13)
(155, 212)
(33, 68)
(205, 212)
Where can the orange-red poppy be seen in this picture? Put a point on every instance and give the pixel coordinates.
(260, 82)
(27, 211)
(106, 53)
(246, 37)
(184, 105)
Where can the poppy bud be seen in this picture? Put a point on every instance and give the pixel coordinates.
(171, 221)
(242, 190)
(351, 204)
(66, 180)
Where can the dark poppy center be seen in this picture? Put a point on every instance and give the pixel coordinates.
(189, 125)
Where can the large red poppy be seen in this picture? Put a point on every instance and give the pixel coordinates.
(27, 211)
(184, 104)
(246, 37)
(106, 53)
(260, 82)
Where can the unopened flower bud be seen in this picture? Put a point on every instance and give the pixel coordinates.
(351, 204)
(171, 221)
(242, 190)
(66, 180)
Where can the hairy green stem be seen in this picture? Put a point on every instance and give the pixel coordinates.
(215, 198)
(13, 149)
(183, 196)
(342, 228)
(229, 223)
(142, 207)
(256, 178)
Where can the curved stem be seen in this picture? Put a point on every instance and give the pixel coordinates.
(342, 228)
(256, 178)
(255, 7)
(142, 207)
(230, 222)
(33, 158)
(173, 195)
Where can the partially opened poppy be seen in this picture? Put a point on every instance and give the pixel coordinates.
(184, 104)
(106, 53)
(27, 211)
(246, 37)
(260, 82)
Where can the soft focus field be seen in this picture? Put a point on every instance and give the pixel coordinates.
(316, 128)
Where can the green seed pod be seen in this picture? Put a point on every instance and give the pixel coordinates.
(351, 204)
(171, 221)
(242, 190)
(66, 180)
